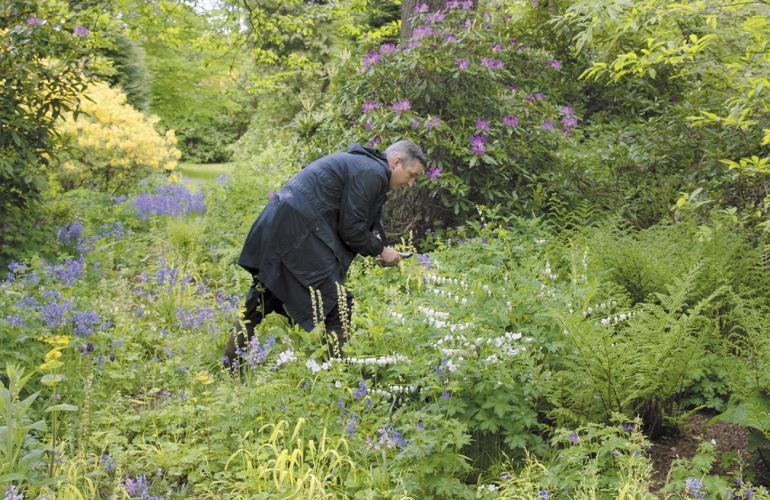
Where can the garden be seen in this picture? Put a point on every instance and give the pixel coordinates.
(585, 314)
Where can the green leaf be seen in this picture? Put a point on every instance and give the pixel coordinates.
(61, 407)
(51, 379)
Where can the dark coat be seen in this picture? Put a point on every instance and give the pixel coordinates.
(313, 228)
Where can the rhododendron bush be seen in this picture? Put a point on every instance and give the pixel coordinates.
(478, 100)
(114, 144)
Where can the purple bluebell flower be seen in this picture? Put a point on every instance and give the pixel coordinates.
(466, 4)
(482, 124)
(222, 179)
(190, 319)
(554, 64)
(80, 31)
(539, 96)
(424, 259)
(434, 173)
(256, 353)
(421, 8)
(574, 438)
(450, 37)
(34, 21)
(85, 322)
(544, 494)
(54, 313)
(446, 395)
(547, 125)
(390, 438)
(12, 493)
(68, 272)
(173, 200)
(465, 24)
(420, 425)
(694, 488)
(70, 234)
(107, 462)
(374, 141)
(15, 320)
(137, 488)
(15, 269)
(361, 391)
(496, 47)
(351, 425)
(462, 64)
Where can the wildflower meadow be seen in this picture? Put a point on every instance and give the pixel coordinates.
(583, 314)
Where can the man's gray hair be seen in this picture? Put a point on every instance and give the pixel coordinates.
(407, 151)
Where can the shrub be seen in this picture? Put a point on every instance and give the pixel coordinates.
(477, 100)
(113, 145)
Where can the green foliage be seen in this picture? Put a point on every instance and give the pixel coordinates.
(451, 107)
(44, 67)
(22, 453)
(196, 71)
(715, 51)
(130, 71)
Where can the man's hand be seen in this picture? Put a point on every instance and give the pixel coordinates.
(389, 257)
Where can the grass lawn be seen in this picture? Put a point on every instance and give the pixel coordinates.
(204, 173)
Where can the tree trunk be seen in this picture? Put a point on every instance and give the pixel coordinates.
(407, 13)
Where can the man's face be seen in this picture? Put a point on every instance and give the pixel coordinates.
(404, 174)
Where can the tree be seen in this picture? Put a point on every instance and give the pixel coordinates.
(46, 58)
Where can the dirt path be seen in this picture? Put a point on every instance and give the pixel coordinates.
(731, 447)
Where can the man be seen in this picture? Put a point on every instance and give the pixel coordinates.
(308, 234)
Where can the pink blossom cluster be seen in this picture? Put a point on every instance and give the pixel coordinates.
(490, 63)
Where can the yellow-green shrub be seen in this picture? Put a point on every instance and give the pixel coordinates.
(111, 143)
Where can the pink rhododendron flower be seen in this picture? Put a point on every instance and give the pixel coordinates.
(370, 105)
(402, 105)
(478, 144)
(435, 17)
(370, 58)
(432, 122)
(510, 121)
(422, 31)
(387, 48)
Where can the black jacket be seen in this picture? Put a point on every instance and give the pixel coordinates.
(320, 220)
